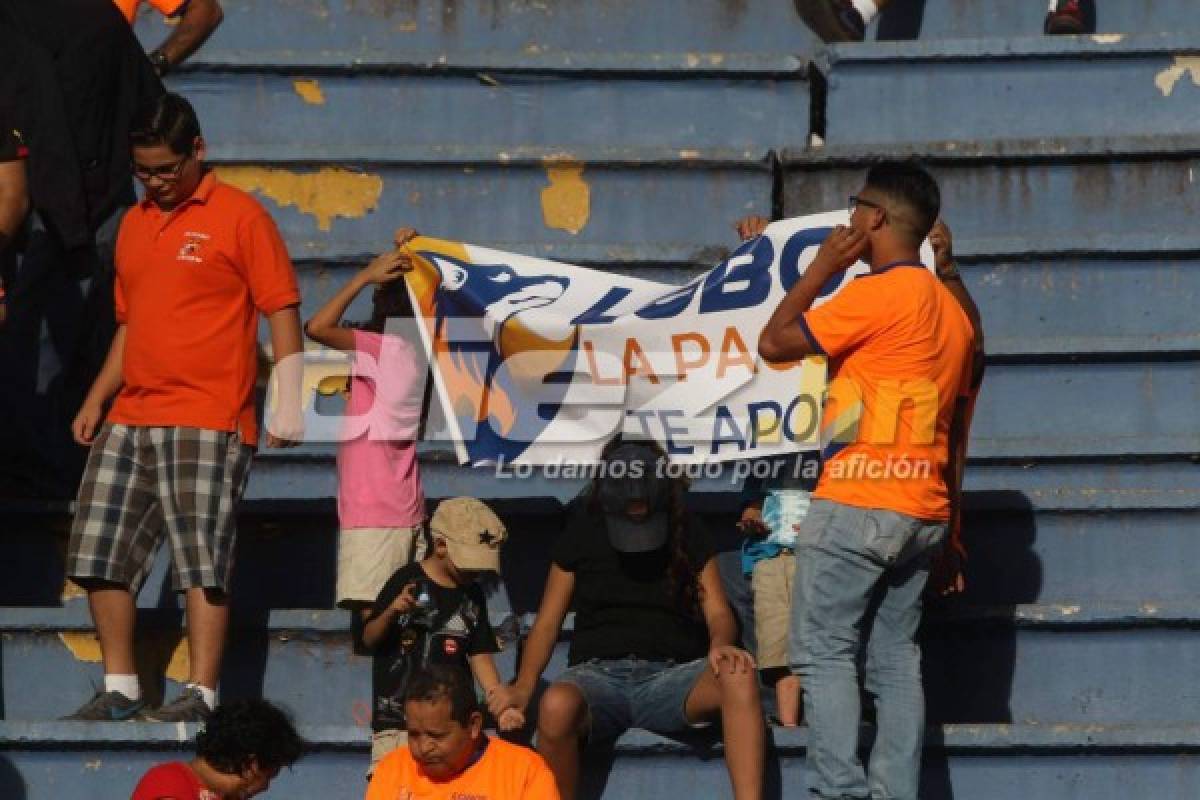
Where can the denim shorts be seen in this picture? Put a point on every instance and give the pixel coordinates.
(626, 693)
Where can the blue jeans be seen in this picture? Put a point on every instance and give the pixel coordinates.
(624, 693)
(860, 574)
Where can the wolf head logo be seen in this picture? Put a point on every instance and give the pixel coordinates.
(481, 322)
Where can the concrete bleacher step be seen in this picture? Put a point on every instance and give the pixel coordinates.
(1027, 199)
(977, 19)
(96, 761)
(967, 90)
(638, 207)
(513, 103)
(1039, 663)
(1049, 532)
(449, 26)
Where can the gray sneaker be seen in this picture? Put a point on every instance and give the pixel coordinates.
(188, 707)
(107, 707)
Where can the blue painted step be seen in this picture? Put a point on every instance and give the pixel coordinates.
(1065, 663)
(1045, 307)
(996, 89)
(97, 761)
(660, 211)
(360, 118)
(1026, 199)
(261, 27)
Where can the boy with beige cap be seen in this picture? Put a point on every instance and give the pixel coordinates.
(433, 613)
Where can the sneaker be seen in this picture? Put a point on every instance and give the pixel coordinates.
(832, 20)
(1065, 19)
(188, 707)
(107, 707)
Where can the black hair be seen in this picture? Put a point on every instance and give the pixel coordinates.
(914, 199)
(242, 732)
(440, 682)
(169, 120)
(682, 573)
(388, 301)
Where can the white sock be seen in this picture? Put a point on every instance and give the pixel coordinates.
(867, 8)
(125, 684)
(1053, 7)
(209, 695)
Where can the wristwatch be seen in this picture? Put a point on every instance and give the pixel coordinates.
(161, 65)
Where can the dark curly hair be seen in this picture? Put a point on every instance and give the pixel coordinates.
(242, 732)
(682, 573)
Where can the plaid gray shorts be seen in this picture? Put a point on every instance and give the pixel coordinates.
(141, 481)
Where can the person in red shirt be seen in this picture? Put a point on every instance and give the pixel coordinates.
(198, 264)
(900, 349)
(448, 756)
(239, 751)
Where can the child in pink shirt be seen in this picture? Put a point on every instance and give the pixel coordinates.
(381, 507)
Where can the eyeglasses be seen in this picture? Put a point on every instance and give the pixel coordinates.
(856, 201)
(168, 174)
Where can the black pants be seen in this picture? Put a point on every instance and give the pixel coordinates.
(60, 324)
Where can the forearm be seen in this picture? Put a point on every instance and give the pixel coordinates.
(111, 377)
(376, 629)
(14, 201)
(722, 628)
(483, 667)
(287, 347)
(783, 339)
(538, 648)
(200, 18)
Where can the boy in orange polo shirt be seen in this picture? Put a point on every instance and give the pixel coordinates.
(197, 263)
(900, 352)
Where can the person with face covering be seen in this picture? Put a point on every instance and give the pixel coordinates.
(654, 644)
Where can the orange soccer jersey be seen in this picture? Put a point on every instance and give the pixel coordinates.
(168, 8)
(899, 348)
(190, 286)
(504, 772)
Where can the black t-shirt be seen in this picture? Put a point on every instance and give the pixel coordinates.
(624, 603)
(456, 627)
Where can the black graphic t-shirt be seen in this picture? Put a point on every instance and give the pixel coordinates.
(453, 627)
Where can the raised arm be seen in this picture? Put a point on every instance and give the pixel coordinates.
(325, 326)
(197, 22)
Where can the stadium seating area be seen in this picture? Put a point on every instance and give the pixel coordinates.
(629, 136)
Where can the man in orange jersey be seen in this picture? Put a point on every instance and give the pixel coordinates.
(900, 351)
(449, 757)
(198, 262)
(195, 20)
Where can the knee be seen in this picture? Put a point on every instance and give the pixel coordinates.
(739, 687)
(562, 712)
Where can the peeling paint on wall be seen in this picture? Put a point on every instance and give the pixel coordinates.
(1166, 80)
(309, 91)
(330, 192)
(85, 646)
(566, 202)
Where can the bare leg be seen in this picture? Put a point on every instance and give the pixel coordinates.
(113, 612)
(207, 620)
(787, 697)
(561, 720)
(735, 696)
